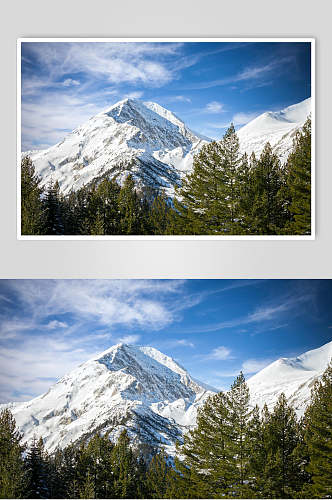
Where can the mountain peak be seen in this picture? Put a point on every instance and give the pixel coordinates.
(276, 127)
(126, 386)
(294, 376)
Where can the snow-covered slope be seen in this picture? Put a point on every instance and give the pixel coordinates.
(293, 376)
(137, 388)
(131, 136)
(277, 127)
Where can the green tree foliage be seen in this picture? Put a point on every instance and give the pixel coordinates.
(210, 194)
(11, 462)
(32, 221)
(129, 207)
(157, 475)
(36, 471)
(52, 208)
(318, 436)
(298, 182)
(281, 474)
(266, 213)
(216, 451)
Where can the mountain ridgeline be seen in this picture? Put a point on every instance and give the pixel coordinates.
(82, 439)
(137, 169)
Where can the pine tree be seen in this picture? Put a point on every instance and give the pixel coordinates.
(157, 475)
(267, 213)
(298, 170)
(239, 415)
(318, 436)
(31, 204)
(36, 471)
(87, 490)
(124, 466)
(208, 465)
(281, 472)
(53, 216)
(129, 207)
(11, 462)
(158, 215)
(208, 201)
(257, 451)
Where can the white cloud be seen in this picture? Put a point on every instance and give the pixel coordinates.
(181, 98)
(243, 118)
(184, 342)
(129, 339)
(69, 82)
(52, 325)
(134, 95)
(214, 107)
(117, 62)
(221, 353)
(255, 365)
(111, 302)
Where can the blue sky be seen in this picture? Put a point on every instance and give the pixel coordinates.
(214, 328)
(208, 85)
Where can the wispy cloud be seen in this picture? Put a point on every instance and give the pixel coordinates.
(243, 118)
(247, 74)
(255, 365)
(129, 339)
(214, 107)
(69, 82)
(56, 324)
(134, 95)
(220, 353)
(263, 313)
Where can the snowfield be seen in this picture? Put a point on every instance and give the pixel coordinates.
(151, 143)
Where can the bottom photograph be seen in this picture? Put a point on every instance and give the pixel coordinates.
(165, 388)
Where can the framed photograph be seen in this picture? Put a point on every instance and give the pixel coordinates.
(166, 138)
(165, 388)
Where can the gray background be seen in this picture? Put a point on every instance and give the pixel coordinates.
(165, 259)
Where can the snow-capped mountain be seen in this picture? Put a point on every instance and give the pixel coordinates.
(151, 143)
(137, 388)
(276, 127)
(293, 376)
(144, 139)
(146, 392)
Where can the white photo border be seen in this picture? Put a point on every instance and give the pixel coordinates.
(312, 236)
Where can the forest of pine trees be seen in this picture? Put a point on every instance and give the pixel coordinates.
(225, 194)
(233, 452)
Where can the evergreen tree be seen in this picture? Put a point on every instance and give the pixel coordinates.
(257, 451)
(87, 490)
(298, 171)
(318, 436)
(11, 462)
(53, 216)
(36, 471)
(267, 213)
(124, 467)
(208, 465)
(157, 475)
(129, 207)
(281, 472)
(209, 196)
(239, 415)
(31, 205)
